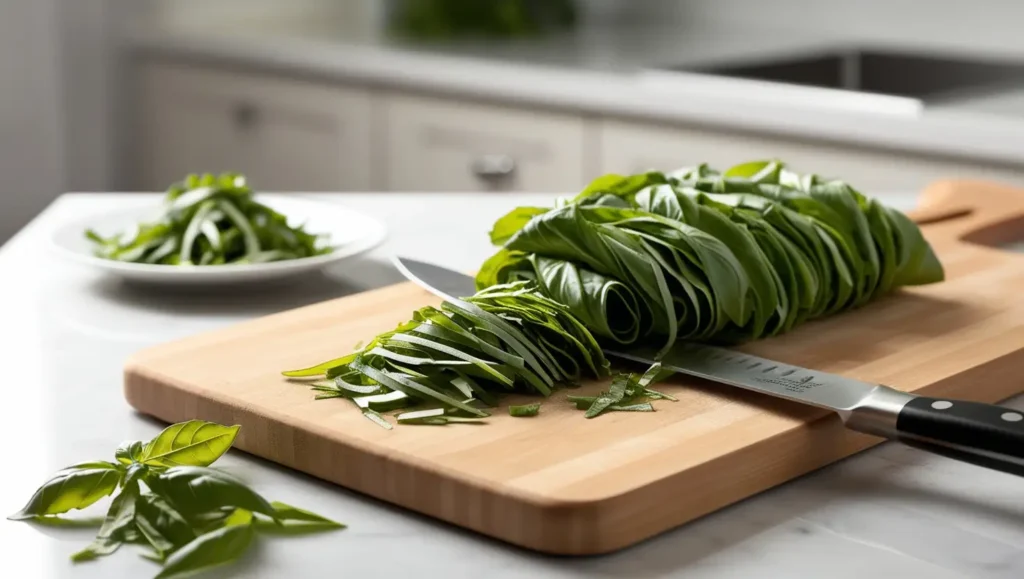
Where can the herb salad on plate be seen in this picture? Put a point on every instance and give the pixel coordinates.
(217, 229)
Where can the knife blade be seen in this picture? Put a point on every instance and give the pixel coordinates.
(986, 435)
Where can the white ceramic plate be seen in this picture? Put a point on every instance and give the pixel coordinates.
(350, 232)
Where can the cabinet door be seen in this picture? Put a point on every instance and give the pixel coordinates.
(284, 135)
(628, 147)
(442, 145)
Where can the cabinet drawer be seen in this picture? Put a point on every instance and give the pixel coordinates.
(284, 135)
(441, 145)
(629, 147)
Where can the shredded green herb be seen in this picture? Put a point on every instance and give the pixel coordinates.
(524, 410)
(460, 357)
(433, 416)
(628, 393)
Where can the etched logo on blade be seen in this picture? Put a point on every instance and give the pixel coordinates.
(797, 386)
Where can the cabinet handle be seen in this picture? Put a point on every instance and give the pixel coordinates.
(246, 115)
(493, 167)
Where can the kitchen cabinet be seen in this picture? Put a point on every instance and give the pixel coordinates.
(317, 135)
(633, 147)
(436, 144)
(284, 134)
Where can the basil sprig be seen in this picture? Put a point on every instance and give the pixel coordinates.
(210, 220)
(186, 515)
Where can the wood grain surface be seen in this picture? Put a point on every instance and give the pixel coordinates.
(563, 484)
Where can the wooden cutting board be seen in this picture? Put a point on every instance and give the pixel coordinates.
(563, 484)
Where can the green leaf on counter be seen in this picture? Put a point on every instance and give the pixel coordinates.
(67, 523)
(289, 513)
(295, 521)
(96, 549)
(118, 525)
(75, 487)
(196, 489)
(192, 443)
(161, 524)
(210, 550)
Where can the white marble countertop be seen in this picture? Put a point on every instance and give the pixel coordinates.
(608, 72)
(891, 511)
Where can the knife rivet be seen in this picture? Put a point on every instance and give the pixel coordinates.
(1012, 416)
(942, 404)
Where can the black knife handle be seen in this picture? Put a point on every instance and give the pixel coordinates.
(983, 434)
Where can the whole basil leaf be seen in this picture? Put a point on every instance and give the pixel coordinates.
(208, 521)
(295, 521)
(75, 487)
(118, 525)
(213, 549)
(98, 548)
(196, 489)
(286, 512)
(192, 443)
(121, 513)
(69, 523)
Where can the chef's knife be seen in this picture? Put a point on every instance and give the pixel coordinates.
(982, 434)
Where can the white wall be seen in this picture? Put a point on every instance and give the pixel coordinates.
(31, 115)
(88, 42)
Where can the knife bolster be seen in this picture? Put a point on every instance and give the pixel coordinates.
(878, 412)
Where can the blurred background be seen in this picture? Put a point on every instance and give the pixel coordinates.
(500, 95)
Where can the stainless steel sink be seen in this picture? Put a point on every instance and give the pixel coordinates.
(925, 77)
